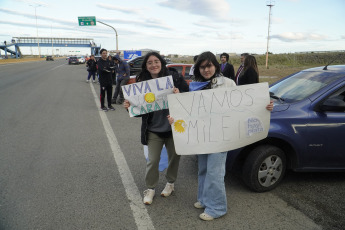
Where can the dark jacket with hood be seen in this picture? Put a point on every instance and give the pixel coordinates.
(122, 70)
(179, 83)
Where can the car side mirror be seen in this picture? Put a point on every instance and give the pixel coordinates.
(333, 104)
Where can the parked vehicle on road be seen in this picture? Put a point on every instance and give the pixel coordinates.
(73, 60)
(135, 65)
(49, 58)
(182, 69)
(306, 132)
(81, 60)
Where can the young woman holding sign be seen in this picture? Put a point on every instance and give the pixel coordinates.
(156, 130)
(211, 172)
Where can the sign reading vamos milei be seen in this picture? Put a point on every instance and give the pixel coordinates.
(148, 96)
(218, 120)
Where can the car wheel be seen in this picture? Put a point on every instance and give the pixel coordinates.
(264, 168)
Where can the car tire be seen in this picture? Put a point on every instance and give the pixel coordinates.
(264, 168)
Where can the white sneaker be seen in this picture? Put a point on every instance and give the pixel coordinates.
(205, 216)
(87, 81)
(94, 81)
(148, 196)
(169, 188)
(198, 205)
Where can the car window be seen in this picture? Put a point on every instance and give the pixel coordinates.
(340, 94)
(303, 84)
(178, 68)
(137, 63)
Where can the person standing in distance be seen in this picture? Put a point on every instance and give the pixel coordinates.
(156, 131)
(226, 68)
(240, 69)
(106, 84)
(250, 72)
(91, 65)
(122, 78)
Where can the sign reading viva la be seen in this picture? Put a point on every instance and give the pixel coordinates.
(148, 96)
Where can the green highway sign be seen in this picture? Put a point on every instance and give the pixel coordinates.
(87, 21)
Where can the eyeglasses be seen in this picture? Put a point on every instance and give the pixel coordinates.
(203, 67)
(153, 62)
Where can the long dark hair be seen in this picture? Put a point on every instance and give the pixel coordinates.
(250, 61)
(210, 58)
(145, 74)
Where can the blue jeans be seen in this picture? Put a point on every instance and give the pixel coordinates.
(211, 186)
(91, 73)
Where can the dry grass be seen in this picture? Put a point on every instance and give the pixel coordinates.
(16, 60)
(276, 72)
(26, 59)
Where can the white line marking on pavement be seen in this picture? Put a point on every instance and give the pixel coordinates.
(57, 66)
(141, 216)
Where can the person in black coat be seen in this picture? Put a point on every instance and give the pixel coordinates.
(105, 67)
(251, 72)
(91, 65)
(226, 68)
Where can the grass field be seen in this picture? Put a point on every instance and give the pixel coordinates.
(282, 65)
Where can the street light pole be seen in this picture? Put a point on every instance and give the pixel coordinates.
(38, 42)
(268, 35)
(117, 48)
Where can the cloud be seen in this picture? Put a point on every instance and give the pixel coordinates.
(149, 22)
(229, 36)
(32, 16)
(207, 24)
(30, 2)
(119, 8)
(291, 36)
(214, 9)
(343, 37)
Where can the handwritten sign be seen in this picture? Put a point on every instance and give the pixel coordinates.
(218, 120)
(148, 96)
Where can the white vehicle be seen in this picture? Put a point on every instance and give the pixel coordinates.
(81, 60)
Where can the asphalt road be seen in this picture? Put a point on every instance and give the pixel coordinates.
(64, 164)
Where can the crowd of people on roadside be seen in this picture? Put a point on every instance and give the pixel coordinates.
(156, 128)
(110, 70)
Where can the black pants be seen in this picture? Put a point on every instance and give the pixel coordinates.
(109, 90)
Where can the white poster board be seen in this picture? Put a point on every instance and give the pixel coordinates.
(218, 120)
(148, 96)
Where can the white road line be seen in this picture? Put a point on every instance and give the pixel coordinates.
(141, 216)
(58, 66)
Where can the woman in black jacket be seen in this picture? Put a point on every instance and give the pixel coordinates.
(156, 130)
(251, 72)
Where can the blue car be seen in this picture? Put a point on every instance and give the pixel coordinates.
(306, 133)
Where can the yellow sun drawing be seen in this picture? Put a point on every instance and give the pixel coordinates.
(180, 126)
(150, 97)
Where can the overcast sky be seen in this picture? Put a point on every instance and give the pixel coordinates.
(184, 26)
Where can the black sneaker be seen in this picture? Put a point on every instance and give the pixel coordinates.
(111, 108)
(104, 109)
(113, 101)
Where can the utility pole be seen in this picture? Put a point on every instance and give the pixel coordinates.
(38, 42)
(268, 35)
(52, 40)
(117, 48)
